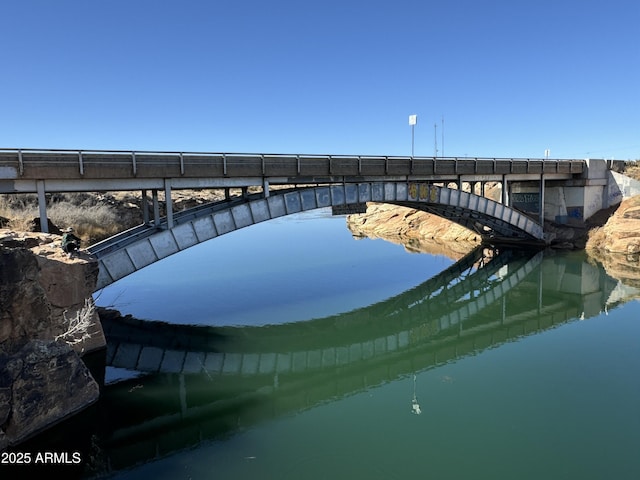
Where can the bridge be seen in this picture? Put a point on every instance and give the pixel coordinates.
(532, 190)
(276, 370)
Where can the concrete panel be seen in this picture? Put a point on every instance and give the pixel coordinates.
(103, 276)
(260, 211)
(342, 355)
(323, 197)
(242, 216)
(142, 253)
(329, 357)
(392, 343)
(377, 192)
(204, 228)
(314, 359)
(292, 202)
(172, 361)
(276, 206)
(368, 350)
(355, 352)
(299, 362)
(364, 192)
(283, 362)
(380, 346)
(224, 222)
(232, 363)
(164, 244)
(482, 205)
(127, 356)
(267, 363)
(250, 363)
(351, 193)
(185, 236)
(337, 195)
(213, 362)
(402, 192)
(193, 362)
(593, 200)
(390, 192)
(473, 202)
(450, 197)
(8, 172)
(150, 359)
(308, 198)
(118, 264)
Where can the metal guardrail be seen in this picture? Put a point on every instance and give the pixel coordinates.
(256, 163)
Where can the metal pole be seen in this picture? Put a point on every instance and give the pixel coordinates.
(412, 138)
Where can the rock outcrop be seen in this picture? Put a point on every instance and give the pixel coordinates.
(617, 244)
(47, 321)
(418, 231)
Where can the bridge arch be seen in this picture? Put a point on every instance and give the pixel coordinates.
(141, 246)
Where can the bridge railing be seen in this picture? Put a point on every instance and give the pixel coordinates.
(65, 164)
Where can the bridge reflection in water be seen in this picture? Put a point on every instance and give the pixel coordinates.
(224, 379)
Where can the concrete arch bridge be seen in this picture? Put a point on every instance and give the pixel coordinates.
(137, 248)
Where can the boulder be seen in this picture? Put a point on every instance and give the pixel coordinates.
(47, 321)
(41, 384)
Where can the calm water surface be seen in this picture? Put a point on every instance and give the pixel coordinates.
(326, 357)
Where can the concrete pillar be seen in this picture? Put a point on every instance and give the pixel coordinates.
(505, 191)
(156, 208)
(542, 199)
(265, 188)
(42, 206)
(168, 202)
(227, 193)
(144, 204)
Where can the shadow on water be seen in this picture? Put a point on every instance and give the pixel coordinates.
(198, 383)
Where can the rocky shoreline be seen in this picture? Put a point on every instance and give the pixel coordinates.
(47, 325)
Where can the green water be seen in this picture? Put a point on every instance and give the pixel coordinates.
(514, 364)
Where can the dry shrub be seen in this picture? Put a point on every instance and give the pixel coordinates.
(90, 223)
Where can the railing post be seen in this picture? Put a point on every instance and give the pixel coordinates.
(133, 161)
(20, 164)
(181, 164)
(224, 164)
(81, 163)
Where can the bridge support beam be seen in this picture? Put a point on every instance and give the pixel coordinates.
(505, 191)
(156, 208)
(168, 202)
(542, 199)
(265, 187)
(144, 205)
(42, 207)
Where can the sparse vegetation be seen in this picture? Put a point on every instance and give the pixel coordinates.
(78, 329)
(92, 216)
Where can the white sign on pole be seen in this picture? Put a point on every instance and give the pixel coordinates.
(413, 119)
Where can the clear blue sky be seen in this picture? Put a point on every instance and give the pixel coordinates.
(510, 78)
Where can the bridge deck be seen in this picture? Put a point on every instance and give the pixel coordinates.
(63, 170)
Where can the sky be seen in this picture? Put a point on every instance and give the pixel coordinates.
(486, 78)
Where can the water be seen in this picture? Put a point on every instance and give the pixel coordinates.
(299, 352)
